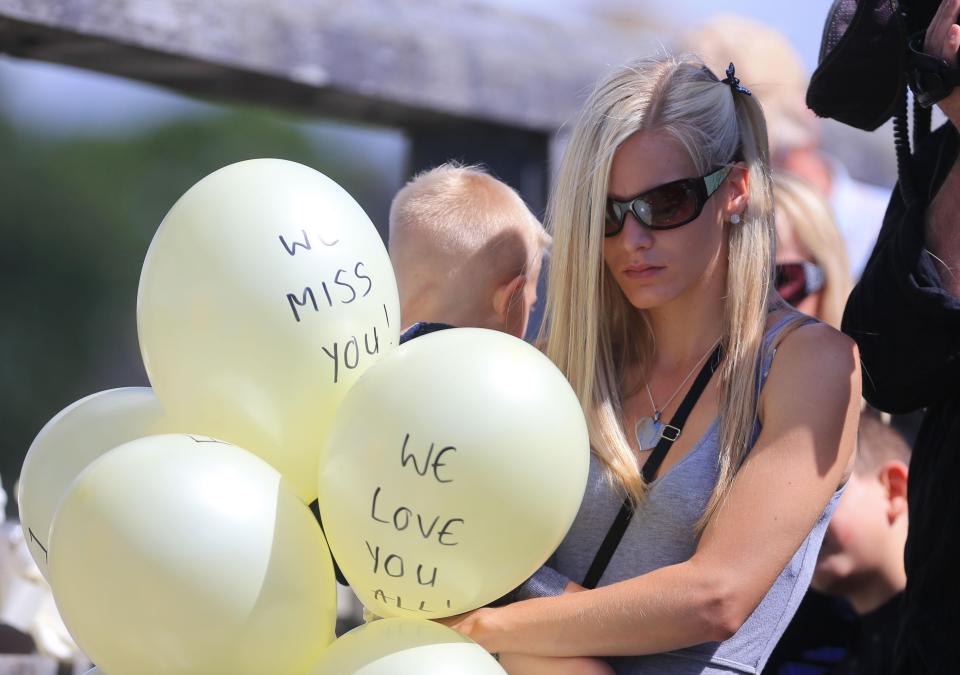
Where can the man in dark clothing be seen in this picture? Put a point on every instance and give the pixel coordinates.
(905, 316)
(853, 630)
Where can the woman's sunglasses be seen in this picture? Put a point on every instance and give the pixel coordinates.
(796, 280)
(666, 206)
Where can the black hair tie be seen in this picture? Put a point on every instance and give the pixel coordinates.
(734, 81)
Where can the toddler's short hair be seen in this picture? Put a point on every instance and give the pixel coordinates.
(878, 443)
(453, 216)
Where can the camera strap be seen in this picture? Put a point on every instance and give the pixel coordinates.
(649, 471)
(930, 78)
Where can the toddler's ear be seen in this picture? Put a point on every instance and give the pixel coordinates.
(893, 476)
(510, 305)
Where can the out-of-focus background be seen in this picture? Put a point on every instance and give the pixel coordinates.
(90, 162)
(111, 109)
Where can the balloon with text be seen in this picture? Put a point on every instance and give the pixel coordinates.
(265, 293)
(454, 469)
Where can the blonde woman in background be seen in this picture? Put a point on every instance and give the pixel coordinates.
(778, 77)
(661, 299)
(813, 273)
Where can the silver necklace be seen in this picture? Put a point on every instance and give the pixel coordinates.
(648, 429)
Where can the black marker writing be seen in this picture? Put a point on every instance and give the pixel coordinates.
(205, 439)
(305, 244)
(446, 532)
(380, 596)
(435, 465)
(356, 273)
(342, 289)
(292, 249)
(403, 516)
(33, 538)
(350, 355)
(394, 566)
(397, 567)
(328, 243)
(373, 507)
(352, 342)
(336, 360)
(353, 292)
(294, 303)
(433, 580)
(376, 343)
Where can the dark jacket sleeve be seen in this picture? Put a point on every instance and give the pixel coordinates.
(906, 325)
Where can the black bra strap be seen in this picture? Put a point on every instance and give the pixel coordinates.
(671, 432)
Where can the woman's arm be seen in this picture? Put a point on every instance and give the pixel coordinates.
(809, 410)
(544, 583)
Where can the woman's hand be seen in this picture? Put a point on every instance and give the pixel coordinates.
(809, 408)
(478, 625)
(481, 625)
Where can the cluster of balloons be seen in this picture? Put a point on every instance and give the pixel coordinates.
(172, 522)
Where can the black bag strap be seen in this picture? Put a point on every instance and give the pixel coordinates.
(671, 432)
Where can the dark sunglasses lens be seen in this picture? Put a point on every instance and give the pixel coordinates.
(791, 282)
(613, 221)
(672, 204)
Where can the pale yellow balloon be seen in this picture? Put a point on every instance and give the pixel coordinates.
(455, 468)
(181, 555)
(405, 647)
(66, 444)
(265, 293)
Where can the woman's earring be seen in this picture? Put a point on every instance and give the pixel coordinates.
(735, 218)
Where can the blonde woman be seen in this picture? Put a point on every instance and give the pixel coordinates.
(812, 270)
(661, 299)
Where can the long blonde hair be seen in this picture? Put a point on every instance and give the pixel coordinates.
(591, 331)
(815, 227)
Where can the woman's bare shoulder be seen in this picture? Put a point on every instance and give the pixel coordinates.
(814, 382)
(814, 360)
(815, 341)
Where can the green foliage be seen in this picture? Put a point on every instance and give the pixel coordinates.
(77, 218)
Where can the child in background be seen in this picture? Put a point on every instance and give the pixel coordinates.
(466, 251)
(861, 558)
(851, 626)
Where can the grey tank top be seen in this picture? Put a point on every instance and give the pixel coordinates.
(662, 533)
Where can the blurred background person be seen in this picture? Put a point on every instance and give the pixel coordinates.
(769, 65)
(813, 272)
(30, 625)
(850, 624)
(861, 559)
